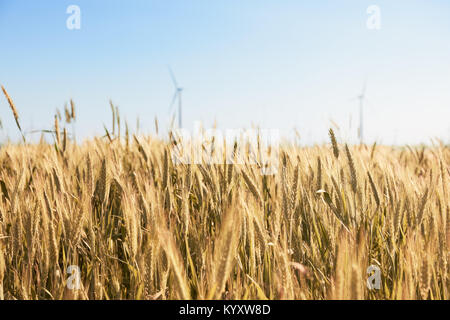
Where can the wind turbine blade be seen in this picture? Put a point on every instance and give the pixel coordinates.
(175, 96)
(173, 77)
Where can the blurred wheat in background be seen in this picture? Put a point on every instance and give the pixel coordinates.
(141, 227)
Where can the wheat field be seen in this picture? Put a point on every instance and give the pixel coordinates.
(139, 226)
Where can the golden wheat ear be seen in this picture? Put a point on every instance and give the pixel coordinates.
(334, 143)
(14, 111)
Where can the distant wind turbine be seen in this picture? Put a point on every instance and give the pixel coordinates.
(362, 99)
(176, 96)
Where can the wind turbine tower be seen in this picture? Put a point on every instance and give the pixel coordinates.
(361, 99)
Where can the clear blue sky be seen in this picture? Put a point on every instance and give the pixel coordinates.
(278, 64)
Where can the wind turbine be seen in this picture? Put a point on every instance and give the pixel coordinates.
(362, 98)
(176, 96)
